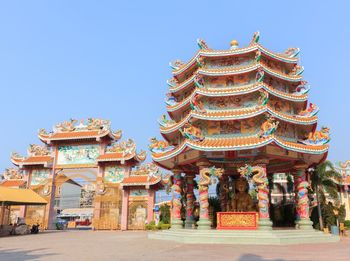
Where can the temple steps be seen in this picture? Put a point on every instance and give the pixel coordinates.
(255, 237)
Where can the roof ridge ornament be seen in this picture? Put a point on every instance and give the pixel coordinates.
(176, 65)
(38, 150)
(12, 173)
(202, 44)
(291, 52)
(256, 38)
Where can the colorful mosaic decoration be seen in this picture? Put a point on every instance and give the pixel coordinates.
(80, 154)
(114, 174)
(39, 176)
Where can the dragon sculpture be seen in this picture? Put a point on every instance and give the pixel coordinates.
(164, 122)
(37, 150)
(172, 82)
(297, 70)
(158, 146)
(257, 56)
(260, 74)
(97, 124)
(268, 127)
(258, 175)
(177, 64)
(303, 200)
(66, 126)
(320, 137)
(202, 44)
(292, 52)
(196, 104)
(263, 98)
(206, 176)
(302, 88)
(126, 147)
(170, 100)
(192, 133)
(309, 112)
(198, 81)
(200, 61)
(12, 173)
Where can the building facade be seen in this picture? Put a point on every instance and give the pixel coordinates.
(116, 185)
(234, 113)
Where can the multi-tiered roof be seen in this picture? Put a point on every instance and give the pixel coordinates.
(236, 100)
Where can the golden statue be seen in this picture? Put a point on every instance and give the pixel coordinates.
(242, 201)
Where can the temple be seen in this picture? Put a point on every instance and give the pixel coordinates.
(239, 115)
(343, 187)
(85, 165)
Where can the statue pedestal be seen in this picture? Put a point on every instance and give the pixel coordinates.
(189, 222)
(265, 224)
(204, 224)
(176, 224)
(304, 224)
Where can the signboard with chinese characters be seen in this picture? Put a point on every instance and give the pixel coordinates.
(78, 155)
(237, 220)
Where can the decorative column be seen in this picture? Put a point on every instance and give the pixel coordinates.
(189, 201)
(205, 174)
(99, 191)
(150, 205)
(223, 192)
(125, 209)
(258, 174)
(176, 222)
(302, 199)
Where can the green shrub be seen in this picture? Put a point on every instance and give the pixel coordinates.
(164, 226)
(347, 223)
(165, 214)
(151, 227)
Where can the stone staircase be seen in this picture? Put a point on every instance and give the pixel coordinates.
(245, 237)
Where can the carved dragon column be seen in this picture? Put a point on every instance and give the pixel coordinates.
(302, 199)
(176, 222)
(189, 201)
(263, 197)
(203, 185)
(223, 192)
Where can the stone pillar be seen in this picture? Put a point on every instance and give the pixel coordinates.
(125, 210)
(203, 185)
(176, 222)
(263, 197)
(189, 201)
(150, 205)
(50, 215)
(302, 199)
(98, 196)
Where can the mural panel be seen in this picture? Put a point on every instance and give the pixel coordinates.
(80, 154)
(138, 192)
(114, 174)
(39, 176)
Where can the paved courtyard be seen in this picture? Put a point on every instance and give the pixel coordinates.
(109, 245)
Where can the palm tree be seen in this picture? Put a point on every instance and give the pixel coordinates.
(324, 180)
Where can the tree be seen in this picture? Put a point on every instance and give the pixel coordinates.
(324, 181)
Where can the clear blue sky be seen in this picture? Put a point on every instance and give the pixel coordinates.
(80, 59)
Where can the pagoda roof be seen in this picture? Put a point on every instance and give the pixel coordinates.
(240, 90)
(122, 151)
(234, 71)
(237, 114)
(71, 130)
(283, 57)
(145, 175)
(37, 155)
(344, 169)
(13, 183)
(238, 143)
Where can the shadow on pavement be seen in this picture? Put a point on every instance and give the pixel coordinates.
(250, 257)
(23, 255)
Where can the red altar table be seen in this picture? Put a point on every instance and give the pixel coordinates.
(237, 220)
